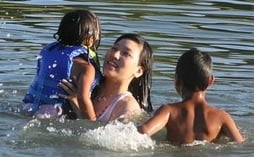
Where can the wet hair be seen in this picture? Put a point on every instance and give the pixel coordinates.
(194, 70)
(76, 26)
(141, 87)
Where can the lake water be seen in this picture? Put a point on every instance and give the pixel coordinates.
(225, 29)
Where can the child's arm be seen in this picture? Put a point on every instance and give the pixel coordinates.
(157, 122)
(86, 74)
(230, 129)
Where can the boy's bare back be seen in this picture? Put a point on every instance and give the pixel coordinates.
(192, 118)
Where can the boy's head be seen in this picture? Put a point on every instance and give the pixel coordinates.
(193, 72)
(79, 27)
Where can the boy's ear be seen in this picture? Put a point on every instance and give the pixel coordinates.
(139, 72)
(211, 81)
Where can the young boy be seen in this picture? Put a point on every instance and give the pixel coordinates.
(192, 118)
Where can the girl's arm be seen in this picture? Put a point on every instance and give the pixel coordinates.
(85, 73)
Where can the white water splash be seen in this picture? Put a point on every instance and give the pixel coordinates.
(32, 123)
(195, 143)
(118, 136)
(38, 57)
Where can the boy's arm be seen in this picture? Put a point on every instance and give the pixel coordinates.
(157, 122)
(84, 82)
(230, 129)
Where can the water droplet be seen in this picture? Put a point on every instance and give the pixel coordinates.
(14, 92)
(39, 57)
(51, 75)
(53, 96)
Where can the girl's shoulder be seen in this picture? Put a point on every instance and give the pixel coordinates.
(128, 107)
(129, 102)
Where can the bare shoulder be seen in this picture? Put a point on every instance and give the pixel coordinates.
(79, 60)
(129, 103)
(128, 106)
(217, 112)
(82, 68)
(82, 62)
(225, 116)
(228, 125)
(166, 108)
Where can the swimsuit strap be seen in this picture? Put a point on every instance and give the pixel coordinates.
(105, 116)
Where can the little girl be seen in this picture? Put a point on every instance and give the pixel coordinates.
(78, 37)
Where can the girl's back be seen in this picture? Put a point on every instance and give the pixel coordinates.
(54, 64)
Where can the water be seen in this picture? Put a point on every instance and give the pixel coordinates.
(224, 29)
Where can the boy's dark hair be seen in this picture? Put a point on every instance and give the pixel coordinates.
(194, 70)
(76, 26)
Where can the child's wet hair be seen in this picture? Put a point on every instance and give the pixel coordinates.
(76, 26)
(194, 70)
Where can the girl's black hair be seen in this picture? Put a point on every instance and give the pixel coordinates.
(76, 26)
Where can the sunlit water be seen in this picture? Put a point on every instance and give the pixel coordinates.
(224, 29)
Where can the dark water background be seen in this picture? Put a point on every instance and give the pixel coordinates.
(225, 29)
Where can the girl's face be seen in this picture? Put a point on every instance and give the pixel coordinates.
(121, 61)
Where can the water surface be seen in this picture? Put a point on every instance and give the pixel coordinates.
(224, 29)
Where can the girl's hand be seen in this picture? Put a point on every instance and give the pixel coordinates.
(71, 90)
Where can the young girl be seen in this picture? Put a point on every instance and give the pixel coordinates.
(78, 37)
(125, 89)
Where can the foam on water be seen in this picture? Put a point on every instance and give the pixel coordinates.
(118, 136)
(195, 143)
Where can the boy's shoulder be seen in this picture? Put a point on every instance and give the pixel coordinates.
(216, 113)
(168, 107)
(214, 109)
(189, 106)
